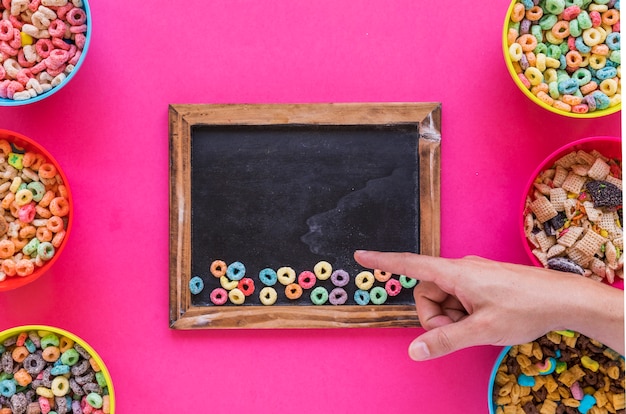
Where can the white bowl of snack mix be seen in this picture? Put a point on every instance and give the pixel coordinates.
(562, 373)
(36, 210)
(43, 43)
(571, 214)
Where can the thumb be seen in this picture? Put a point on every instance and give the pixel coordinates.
(442, 340)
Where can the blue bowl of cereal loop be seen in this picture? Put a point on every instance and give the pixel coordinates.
(43, 44)
(563, 372)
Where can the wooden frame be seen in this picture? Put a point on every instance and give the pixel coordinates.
(183, 315)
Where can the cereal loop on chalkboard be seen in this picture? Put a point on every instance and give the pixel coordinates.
(268, 296)
(378, 295)
(323, 270)
(196, 285)
(338, 296)
(361, 297)
(340, 278)
(236, 271)
(306, 279)
(319, 295)
(293, 291)
(393, 287)
(218, 268)
(364, 280)
(236, 296)
(219, 296)
(381, 275)
(268, 277)
(286, 275)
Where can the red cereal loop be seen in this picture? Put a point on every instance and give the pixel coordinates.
(57, 28)
(307, 279)
(393, 287)
(6, 30)
(76, 17)
(44, 47)
(246, 285)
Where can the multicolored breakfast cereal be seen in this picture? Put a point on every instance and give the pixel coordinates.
(574, 216)
(560, 373)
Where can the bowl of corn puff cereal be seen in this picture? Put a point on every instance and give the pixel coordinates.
(35, 210)
(44, 369)
(562, 372)
(43, 44)
(565, 56)
(571, 213)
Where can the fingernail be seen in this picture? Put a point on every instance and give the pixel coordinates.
(419, 351)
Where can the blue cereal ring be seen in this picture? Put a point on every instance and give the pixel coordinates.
(361, 297)
(613, 41)
(568, 87)
(602, 101)
(319, 295)
(606, 72)
(268, 277)
(60, 369)
(236, 271)
(378, 295)
(196, 284)
(586, 403)
(7, 388)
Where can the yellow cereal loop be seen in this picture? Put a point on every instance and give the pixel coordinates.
(609, 87)
(516, 52)
(534, 75)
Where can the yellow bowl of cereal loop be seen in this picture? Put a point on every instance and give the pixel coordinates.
(35, 210)
(562, 372)
(47, 369)
(43, 44)
(571, 211)
(565, 55)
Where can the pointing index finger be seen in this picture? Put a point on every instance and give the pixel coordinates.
(412, 265)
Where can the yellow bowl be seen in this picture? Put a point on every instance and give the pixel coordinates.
(41, 329)
(511, 66)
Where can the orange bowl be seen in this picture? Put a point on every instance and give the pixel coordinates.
(50, 244)
(609, 147)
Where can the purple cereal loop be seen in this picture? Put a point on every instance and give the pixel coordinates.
(340, 278)
(338, 296)
(524, 27)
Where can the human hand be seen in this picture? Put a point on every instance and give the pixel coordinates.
(475, 301)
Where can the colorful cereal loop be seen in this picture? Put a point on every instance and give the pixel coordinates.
(407, 282)
(268, 277)
(228, 284)
(364, 280)
(236, 297)
(381, 275)
(378, 295)
(340, 278)
(307, 279)
(293, 291)
(361, 297)
(246, 285)
(393, 287)
(268, 296)
(218, 268)
(286, 275)
(219, 296)
(196, 284)
(236, 271)
(323, 270)
(338, 296)
(319, 295)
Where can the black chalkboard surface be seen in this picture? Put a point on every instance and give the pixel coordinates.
(292, 185)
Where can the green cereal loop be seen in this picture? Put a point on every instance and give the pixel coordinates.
(45, 250)
(616, 57)
(100, 379)
(553, 90)
(319, 295)
(38, 190)
(538, 33)
(70, 357)
(95, 400)
(378, 295)
(582, 75)
(49, 340)
(600, 1)
(31, 247)
(584, 21)
(554, 52)
(555, 6)
(564, 48)
(407, 282)
(562, 75)
(547, 21)
(541, 48)
(574, 28)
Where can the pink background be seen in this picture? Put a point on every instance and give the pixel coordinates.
(108, 128)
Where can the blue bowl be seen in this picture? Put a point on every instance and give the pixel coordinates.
(492, 378)
(12, 102)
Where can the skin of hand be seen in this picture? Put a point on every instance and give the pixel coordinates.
(475, 301)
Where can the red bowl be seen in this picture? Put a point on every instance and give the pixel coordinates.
(610, 147)
(28, 144)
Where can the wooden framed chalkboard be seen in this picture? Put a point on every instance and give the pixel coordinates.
(289, 189)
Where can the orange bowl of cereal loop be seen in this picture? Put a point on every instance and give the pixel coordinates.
(44, 369)
(565, 55)
(35, 210)
(562, 373)
(571, 214)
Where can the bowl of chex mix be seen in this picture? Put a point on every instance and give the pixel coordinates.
(571, 218)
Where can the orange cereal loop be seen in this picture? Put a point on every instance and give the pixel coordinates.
(560, 30)
(512, 36)
(218, 268)
(8, 267)
(610, 17)
(47, 198)
(534, 13)
(44, 234)
(24, 267)
(62, 190)
(22, 377)
(293, 291)
(381, 275)
(573, 59)
(588, 88)
(19, 354)
(14, 209)
(58, 239)
(18, 243)
(545, 98)
(65, 343)
(602, 50)
(532, 59)
(94, 364)
(28, 232)
(7, 200)
(528, 42)
(43, 212)
(59, 206)
(47, 170)
(7, 249)
(51, 354)
(5, 148)
(571, 99)
(55, 224)
(542, 87)
(33, 160)
(6, 411)
(562, 106)
(517, 14)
